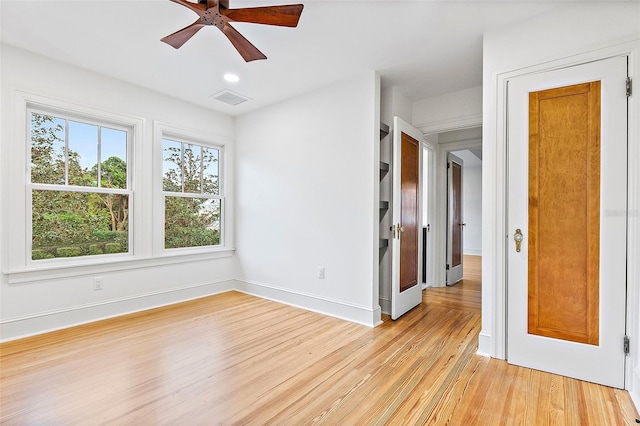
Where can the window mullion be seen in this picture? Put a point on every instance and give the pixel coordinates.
(66, 152)
(201, 170)
(75, 188)
(99, 159)
(182, 165)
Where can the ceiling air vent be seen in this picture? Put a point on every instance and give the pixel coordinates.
(229, 97)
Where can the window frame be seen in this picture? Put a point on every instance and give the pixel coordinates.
(30, 186)
(187, 136)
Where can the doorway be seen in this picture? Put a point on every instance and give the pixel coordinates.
(467, 143)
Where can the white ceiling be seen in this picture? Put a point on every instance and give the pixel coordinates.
(425, 48)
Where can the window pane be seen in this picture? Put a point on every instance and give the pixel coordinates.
(83, 154)
(191, 167)
(70, 224)
(171, 166)
(210, 173)
(47, 149)
(113, 154)
(191, 222)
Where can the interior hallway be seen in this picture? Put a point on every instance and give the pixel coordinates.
(237, 359)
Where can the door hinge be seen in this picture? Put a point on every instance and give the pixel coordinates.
(448, 165)
(626, 345)
(447, 266)
(628, 87)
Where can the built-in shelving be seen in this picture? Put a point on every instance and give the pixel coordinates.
(384, 203)
(384, 169)
(384, 218)
(384, 130)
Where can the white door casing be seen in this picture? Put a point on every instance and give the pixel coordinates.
(603, 363)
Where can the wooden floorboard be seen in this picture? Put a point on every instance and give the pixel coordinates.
(235, 359)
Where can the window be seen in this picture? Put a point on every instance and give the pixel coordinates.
(192, 194)
(79, 186)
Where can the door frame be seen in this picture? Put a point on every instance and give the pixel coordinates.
(492, 340)
(431, 145)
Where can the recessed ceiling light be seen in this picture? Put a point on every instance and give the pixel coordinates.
(231, 78)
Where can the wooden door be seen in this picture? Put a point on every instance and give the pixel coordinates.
(566, 253)
(454, 219)
(407, 204)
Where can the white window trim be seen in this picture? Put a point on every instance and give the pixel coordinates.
(165, 131)
(16, 175)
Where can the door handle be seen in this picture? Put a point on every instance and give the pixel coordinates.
(518, 237)
(396, 230)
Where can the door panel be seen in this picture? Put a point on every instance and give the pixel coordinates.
(454, 219)
(409, 195)
(456, 211)
(406, 246)
(564, 212)
(567, 157)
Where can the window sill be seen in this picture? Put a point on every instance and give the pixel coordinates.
(53, 272)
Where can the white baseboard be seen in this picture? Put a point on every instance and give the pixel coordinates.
(385, 305)
(634, 387)
(44, 322)
(472, 252)
(484, 344)
(335, 308)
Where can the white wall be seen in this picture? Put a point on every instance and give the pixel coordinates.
(306, 176)
(577, 32)
(54, 299)
(394, 103)
(450, 111)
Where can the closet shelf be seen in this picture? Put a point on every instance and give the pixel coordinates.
(384, 130)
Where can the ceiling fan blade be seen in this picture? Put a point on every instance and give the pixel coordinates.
(180, 37)
(198, 8)
(284, 16)
(247, 50)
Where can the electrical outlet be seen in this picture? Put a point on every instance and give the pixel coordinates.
(321, 272)
(97, 283)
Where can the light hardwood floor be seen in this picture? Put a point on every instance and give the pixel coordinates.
(237, 359)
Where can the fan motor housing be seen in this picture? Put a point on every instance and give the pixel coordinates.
(211, 17)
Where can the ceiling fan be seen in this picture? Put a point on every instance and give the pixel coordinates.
(218, 14)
